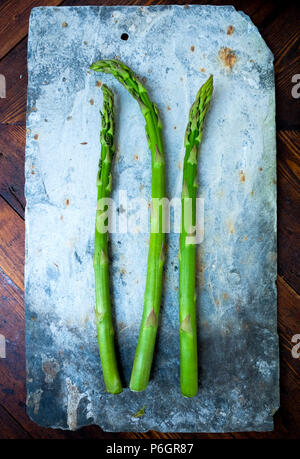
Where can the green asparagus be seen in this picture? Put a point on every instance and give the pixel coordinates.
(103, 308)
(187, 251)
(152, 298)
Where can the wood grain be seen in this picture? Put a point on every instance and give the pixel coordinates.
(11, 244)
(10, 429)
(14, 69)
(288, 175)
(12, 146)
(283, 38)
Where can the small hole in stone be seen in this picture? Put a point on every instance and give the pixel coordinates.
(124, 36)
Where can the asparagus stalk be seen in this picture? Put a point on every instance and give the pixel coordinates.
(148, 330)
(187, 251)
(103, 308)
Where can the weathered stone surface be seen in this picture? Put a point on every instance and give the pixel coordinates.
(174, 49)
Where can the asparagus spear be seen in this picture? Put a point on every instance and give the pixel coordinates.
(187, 251)
(148, 330)
(103, 309)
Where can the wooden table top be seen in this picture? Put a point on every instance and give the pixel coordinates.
(278, 22)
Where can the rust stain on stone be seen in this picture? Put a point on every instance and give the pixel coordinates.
(230, 226)
(227, 57)
(242, 176)
(50, 368)
(230, 30)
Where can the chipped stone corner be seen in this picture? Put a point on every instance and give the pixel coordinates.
(247, 19)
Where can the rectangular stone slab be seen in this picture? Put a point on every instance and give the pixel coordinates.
(173, 49)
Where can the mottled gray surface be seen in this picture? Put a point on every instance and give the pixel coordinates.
(175, 48)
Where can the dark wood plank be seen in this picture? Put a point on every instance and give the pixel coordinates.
(283, 38)
(288, 314)
(11, 244)
(14, 69)
(12, 368)
(288, 325)
(12, 147)
(10, 429)
(288, 175)
(14, 17)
